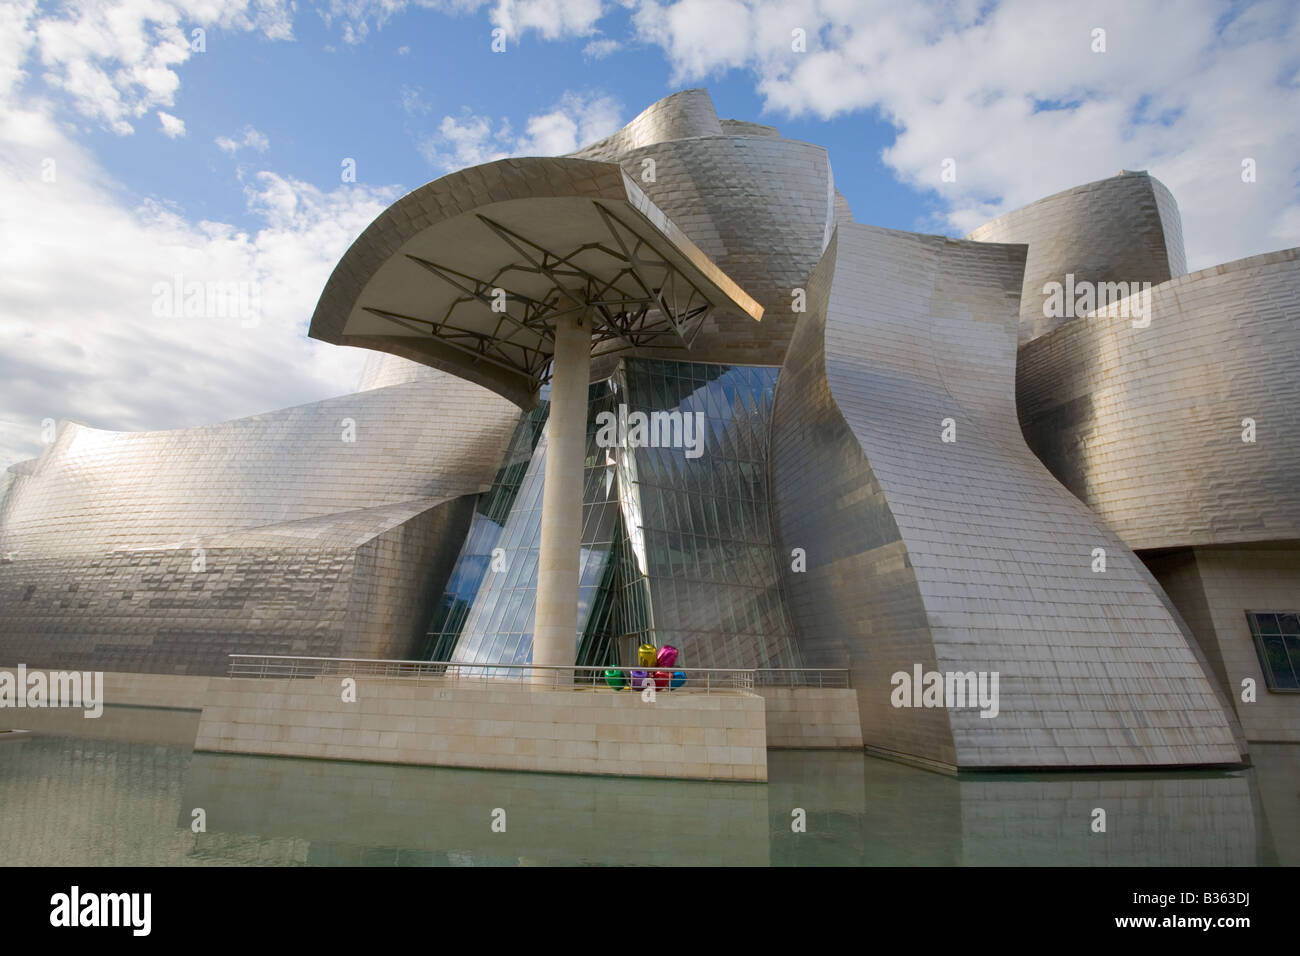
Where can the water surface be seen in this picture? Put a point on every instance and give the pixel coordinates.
(79, 801)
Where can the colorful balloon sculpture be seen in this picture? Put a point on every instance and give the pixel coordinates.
(647, 656)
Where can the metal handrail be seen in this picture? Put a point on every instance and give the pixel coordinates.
(831, 678)
(706, 679)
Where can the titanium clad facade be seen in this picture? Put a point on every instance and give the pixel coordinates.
(684, 115)
(166, 551)
(965, 553)
(1172, 415)
(1149, 427)
(98, 490)
(857, 604)
(382, 370)
(759, 205)
(825, 522)
(1122, 229)
(1145, 425)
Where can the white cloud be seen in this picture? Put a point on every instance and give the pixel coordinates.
(553, 19)
(81, 334)
(16, 40)
(357, 17)
(467, 141)
(250, 139)
(1018, 98)
(172, 126)
(413, 102)
(79, 337)
(702, 37)
(599, 49)
(116, 59)
(1013, 93)
(576, 120)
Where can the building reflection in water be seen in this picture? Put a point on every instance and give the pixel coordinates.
(69, 801)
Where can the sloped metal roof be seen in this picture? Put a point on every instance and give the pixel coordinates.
(470, 272)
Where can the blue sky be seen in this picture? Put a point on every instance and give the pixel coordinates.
(224, 165)
(334, 99)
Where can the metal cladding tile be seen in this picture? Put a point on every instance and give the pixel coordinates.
(1125, 228)
(960, 555)
(761, 207)
(904, 331)
(271, 534)
(1145, 424)
(679, 116)
(96, 490)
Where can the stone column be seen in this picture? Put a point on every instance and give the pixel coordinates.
(555, 623)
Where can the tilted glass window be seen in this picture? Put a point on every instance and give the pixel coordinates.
(1277, 641)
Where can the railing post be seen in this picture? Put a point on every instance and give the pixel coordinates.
(706, 680)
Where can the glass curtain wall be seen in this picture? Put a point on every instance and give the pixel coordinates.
(704, 521)
(677, 546)
(488, 617)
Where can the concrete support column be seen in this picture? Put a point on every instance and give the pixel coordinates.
(555, 623)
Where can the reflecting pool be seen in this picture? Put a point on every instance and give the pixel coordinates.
(129, 797)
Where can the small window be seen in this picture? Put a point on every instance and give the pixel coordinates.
(1277, 641)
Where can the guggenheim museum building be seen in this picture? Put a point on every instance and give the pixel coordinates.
(668, 389)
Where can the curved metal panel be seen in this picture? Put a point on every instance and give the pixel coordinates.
(470, 272)
(682, 115)
(1122, 229)
(1143, 418)
(166, 551)
(761, 207)
(963, 555)
(383, 369)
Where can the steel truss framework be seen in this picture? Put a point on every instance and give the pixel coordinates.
(647, 300)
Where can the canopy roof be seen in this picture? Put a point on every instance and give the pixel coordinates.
(470, 272)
